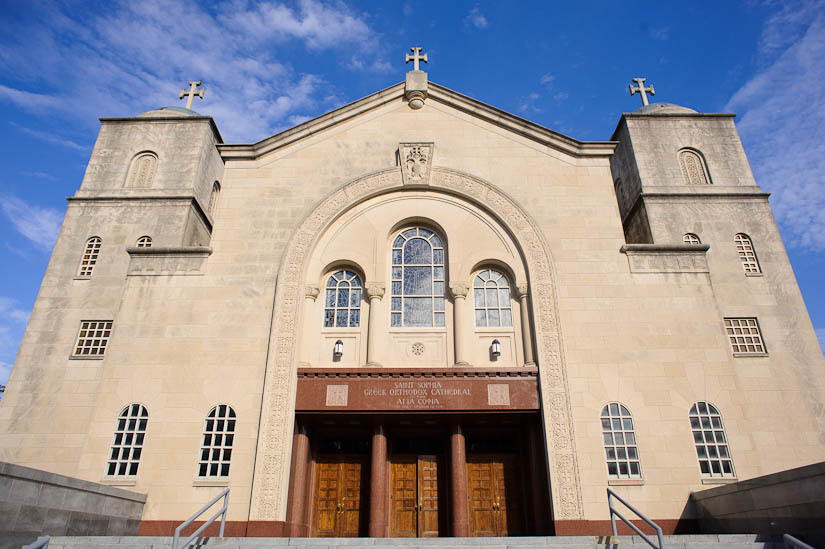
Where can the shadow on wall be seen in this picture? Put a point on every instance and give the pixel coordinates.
(788, 502)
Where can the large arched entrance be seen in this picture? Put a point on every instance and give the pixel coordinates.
(549, 430)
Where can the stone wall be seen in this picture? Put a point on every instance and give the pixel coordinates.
(789, 502)
(35, 503)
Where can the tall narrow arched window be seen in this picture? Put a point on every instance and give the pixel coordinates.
(694, 169)
(491, 294)
(128, 441)
(710, 440)
(747, 254)
(89, 258)
(417, 279)
(142, 170)
(342, 302)
(691, 238)
(621, 452)
(218, 437)
(213, 198)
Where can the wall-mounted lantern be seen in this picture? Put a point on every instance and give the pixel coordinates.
(495, 349)
(338, 350)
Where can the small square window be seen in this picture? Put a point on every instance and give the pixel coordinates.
(92, 338)
(744, 336)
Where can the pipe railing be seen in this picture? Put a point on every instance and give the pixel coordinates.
(791, 541)
(614, 513)
(222, 513)
(40, 543)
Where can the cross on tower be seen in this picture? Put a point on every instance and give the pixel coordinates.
(416, 57)
(192, 93)
(640, 88)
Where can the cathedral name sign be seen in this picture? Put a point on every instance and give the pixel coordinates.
(452, 390)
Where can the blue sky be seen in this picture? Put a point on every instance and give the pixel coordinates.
(270, 65)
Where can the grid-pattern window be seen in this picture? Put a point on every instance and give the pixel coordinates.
(218, 436)
(93, 337)
(89, 259)
(744, 336)
(417, 279)
(128, 441)
(691, 238)
(693, 167)
(747, 255)
(342, 305)
(711, 443)
(620, 449)
(144, 242)
(491, 293)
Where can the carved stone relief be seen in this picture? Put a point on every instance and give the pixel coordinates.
(271, 482)
(416, 162)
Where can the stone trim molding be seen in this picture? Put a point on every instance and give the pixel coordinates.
(167, 260)
(270, 485)
(667, 258)
(416, 373)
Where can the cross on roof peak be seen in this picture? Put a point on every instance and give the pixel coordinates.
(416, 57)
(640, 88)
(192, 92)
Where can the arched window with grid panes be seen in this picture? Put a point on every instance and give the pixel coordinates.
(144, 242)
(747, 254)
(342, 300)
(491, 299)
(218, 438)
(711, 441)
(89, 258)
(127, 444)
(691, 239)
(417, 279)
(620, 447)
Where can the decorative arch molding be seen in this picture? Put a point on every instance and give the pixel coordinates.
(272, 463)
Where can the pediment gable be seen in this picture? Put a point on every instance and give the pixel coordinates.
(436, 93)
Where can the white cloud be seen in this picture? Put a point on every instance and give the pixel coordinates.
(12, 324)
(40, 225)
(560, 96)
(123, 58)
(476, 18)
(547, 80)
(528, 105)
(51, 138)
(782, 122)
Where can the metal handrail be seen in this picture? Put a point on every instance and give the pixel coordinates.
(791, 541)
(221, 513)
(40, 543)
(614, 513)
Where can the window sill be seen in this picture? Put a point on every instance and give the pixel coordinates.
(719, 480)
(418, 330)
(494, 329)
(754, 274)
(82, 278)
(85, 357)
(626, 482)
(112, 481)
(211, 482)
(746, 355)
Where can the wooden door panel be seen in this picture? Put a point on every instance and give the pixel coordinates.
(428, 496)
(508, 497)
(481, 495)
(326, 499)
(404, 501)
(350, 519)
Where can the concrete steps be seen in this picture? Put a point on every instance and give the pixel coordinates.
(703, 541)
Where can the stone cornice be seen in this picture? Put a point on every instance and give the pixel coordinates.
(170, 250)
(176, 119)
(169, 198)
(416, 372)
(438, 93)
(664, 248)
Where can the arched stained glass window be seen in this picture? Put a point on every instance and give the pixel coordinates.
(218, 437)
(620, 448)
(747, 255)
(417, 279)
(710, 440)
(127, 444)
(89, 258)
(491, 292)
(342, 305)
(691, 239)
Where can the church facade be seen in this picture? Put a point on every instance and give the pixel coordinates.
(417, 315)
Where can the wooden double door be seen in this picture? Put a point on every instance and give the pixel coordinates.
(495, 496)
(338, 497)
(414, 509)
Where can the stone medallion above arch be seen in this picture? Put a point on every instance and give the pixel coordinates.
(272, 464)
